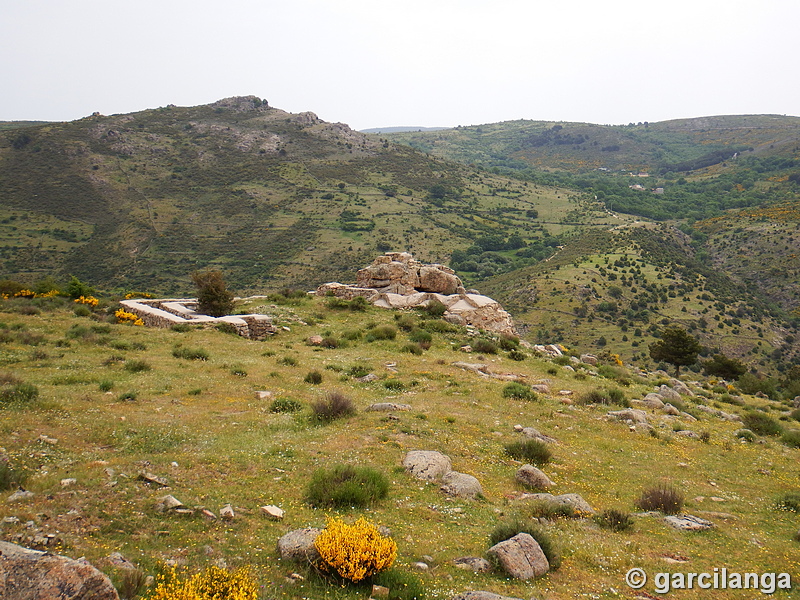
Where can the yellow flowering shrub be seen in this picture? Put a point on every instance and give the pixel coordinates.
(25, 293)
(90, 300)
(355, 551)
(132, 295)
(123, 316)
(212, 584)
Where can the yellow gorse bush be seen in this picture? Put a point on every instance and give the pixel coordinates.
(354, 551)
(123, 316)
(212, 584)
(90, 300)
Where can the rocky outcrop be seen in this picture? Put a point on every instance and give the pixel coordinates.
(32, 575)
(395, 280)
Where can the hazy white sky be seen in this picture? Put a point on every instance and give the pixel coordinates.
(371, 63)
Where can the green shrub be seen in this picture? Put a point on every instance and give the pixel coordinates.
(535, 452)
(761, 423)
(213, 296)
(313, 377)
(434, 309)
(381, 332)
(789, 501)
(106, 385)
(597, 396)
(484, 346)
(509, 342)
(519, 391)
(507, 529)
(10, 477)
(137, 366)
(791, 438)
(180, 327)
(289, 361)
(285, 405)
(346, 486)
(735, 400)
(394, 385)
(405, 321)
(795, 414)
(330, 342)
(127, 396)
(81, 310)
(352, 334)
(439, 327)
(334, 406)
(420, 336)
(661, 497)
(228, 328)
(415, 349)
(615, 520)
(517, 355)
(19, 393)
(361, 370)
(543, 509)
(746, 434)
(189, 353)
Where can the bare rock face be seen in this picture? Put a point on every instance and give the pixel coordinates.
(32, 575)
(399, 273)
(521, 557)
(427, 465)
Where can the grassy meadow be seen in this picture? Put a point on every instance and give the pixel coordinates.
(116, 400)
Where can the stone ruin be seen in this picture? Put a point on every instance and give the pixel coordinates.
(396, 280)
(169, 312)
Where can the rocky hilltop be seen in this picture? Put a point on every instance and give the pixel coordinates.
(396, 280)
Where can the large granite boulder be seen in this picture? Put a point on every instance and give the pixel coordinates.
(521, 557)
(461, 485)
(32, 575)
(427, 465)
(299, 545)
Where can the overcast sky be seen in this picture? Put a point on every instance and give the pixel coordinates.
(373, 63)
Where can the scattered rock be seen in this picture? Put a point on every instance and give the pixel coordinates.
(168, 502)
(535, 434)
(670, 410)
(688, 522)
(368, 378)
(116, 559)
(32, 575)
(668, 394)
(427, 465)
(680, 387)
(653, 400)
(227, 512)
(208, 514)
(541, 388)
(264, 395)
(473, 563)
(20, 494)
(420, 566)
(574, 501)
(315, 340)
(379, 591)
(151, 478)
(273, 512)
(68, 482)
(629, 414)
(531, 477)
(589, 359)
(299, 545)
(688, 434)
(388, 407)
(521, 557)
(466, 349)
(461, 485)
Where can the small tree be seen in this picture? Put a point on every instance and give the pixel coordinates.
(722, 366)
(677, 347)
(213, 296)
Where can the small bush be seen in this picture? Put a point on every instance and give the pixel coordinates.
(791, 438)
(354, 552)
(285, 405)
(661, 497)
(439, 327)
(517, 355)
(334, 406)
(212, 584)
(434, 309)
(789, 501)
(357, 371)
(381, 332)
(213, 296)
(352, 334)
(746, 434)
(228, 328)
(612, 396)
(394, 385)
(484, 346)
(415, 349)
(508, 529)
(761, 423)
(543, 509)
(137, 366)
(615, 520)
(288, 361)
(190, 353)
(127, 396)
(131, 583)
(519, 391)
(19, 393)
(10, 477)
(795, 414)
(313, 377)
(735, 400)
(106, 385)
(420, 335)
(509, 342)
(345, 486)
(330, 342)
(532, 451)
(405, 322)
